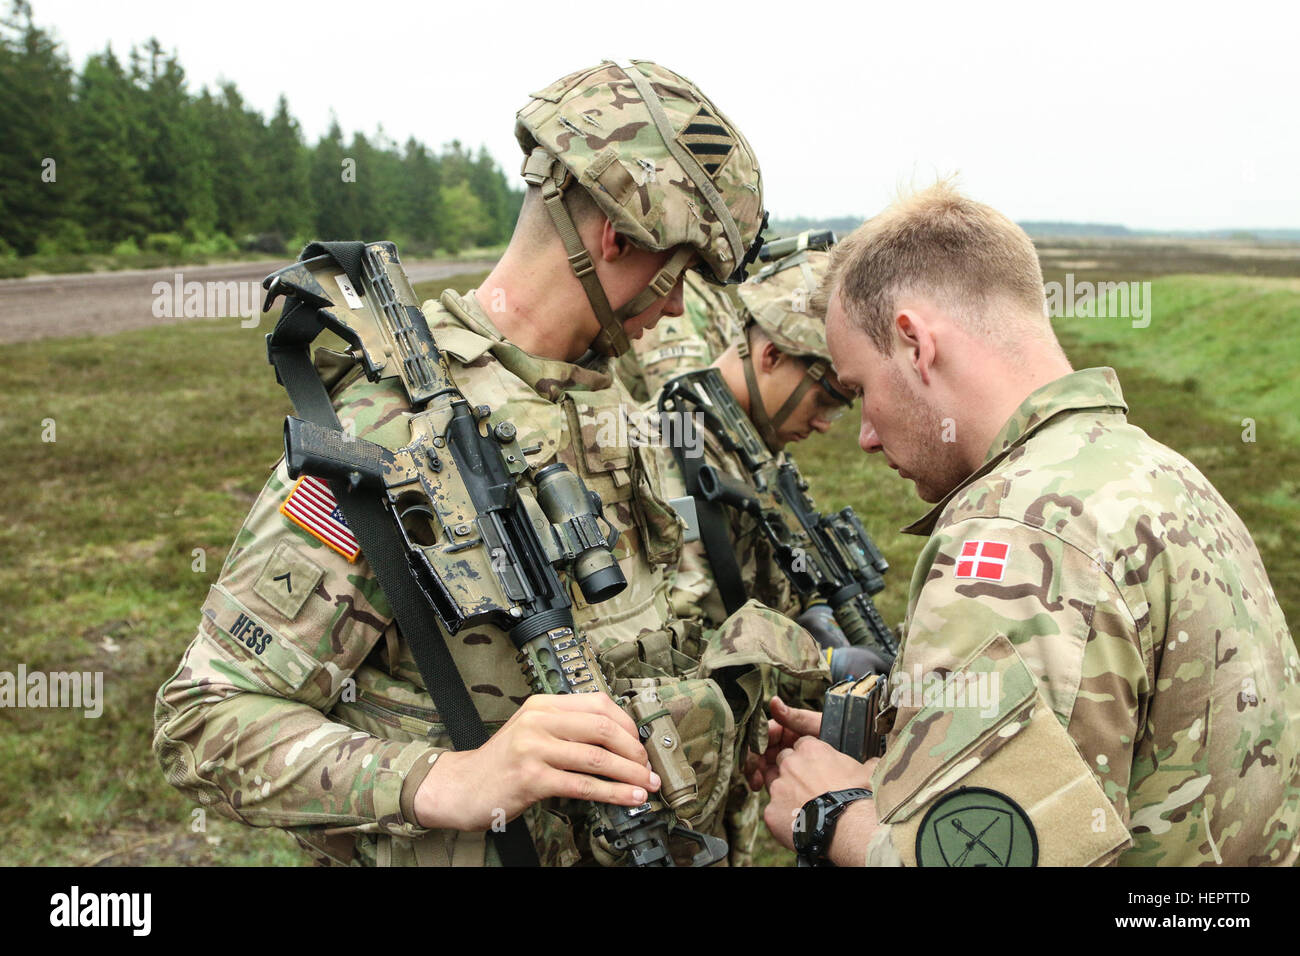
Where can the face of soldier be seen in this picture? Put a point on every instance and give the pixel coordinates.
(673, 304)
(899, 419)
(816, 411)
(625, 270)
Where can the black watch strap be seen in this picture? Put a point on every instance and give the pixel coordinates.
(815, 824)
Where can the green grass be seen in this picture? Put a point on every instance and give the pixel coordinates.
(1236, 339)
(164, 436)
(72, 262)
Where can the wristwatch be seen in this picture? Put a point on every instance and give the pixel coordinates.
(814, 826)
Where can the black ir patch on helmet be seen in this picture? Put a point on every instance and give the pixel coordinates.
(708, 140)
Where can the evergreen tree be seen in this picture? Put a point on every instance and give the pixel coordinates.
(176, 157)
(334, 199)
(232, 132)
(134, 152)
(37, 199)
(373, 192)
(421, 211)
(286, 162)
(116, 204)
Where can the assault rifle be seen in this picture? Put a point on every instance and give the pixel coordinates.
(827, 556)
(776, 249)
(482, 534)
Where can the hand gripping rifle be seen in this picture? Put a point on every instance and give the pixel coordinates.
(828, 556)
(456, 522)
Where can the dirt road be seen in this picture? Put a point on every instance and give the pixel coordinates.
(101, 303)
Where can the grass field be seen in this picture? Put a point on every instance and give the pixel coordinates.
(115, 530)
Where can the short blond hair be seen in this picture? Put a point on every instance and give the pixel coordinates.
(938, 243)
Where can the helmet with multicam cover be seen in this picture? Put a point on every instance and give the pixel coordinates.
(778, 300)
(666, 167)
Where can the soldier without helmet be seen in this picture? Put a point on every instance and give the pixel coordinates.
(1095, 668)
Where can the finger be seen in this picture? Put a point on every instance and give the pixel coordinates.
(580, 786)
(597, 729)
(590, 704)
(778, 738)
(597, 761)
(798, 721)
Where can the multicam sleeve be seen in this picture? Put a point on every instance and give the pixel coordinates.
(758, 653)
(1019, 677)
(241, 725)
(760, 570)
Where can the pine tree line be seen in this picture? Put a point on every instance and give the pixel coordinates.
(122, 157)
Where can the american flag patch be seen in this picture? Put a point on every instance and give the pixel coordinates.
(983, 559)
(312, 506)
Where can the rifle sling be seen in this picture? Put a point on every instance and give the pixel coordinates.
(287, 348)
(714, 528)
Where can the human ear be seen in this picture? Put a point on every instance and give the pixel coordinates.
(917, 337)
(612, 245)
(769, 357)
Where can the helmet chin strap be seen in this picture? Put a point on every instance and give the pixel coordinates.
(544, 170)
(768, 426)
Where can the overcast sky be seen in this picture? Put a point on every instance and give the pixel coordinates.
(1164, 116)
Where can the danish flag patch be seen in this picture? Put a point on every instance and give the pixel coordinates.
(983, 559)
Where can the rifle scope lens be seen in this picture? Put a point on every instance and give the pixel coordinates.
(565, 501)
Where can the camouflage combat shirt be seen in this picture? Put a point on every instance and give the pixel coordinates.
(694, 592)
(1095, 656)
(299, 704)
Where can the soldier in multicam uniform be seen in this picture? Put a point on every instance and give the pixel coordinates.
(1095, 669)
(682, 343)
(300, 705)
(781, 353)
(779, 361)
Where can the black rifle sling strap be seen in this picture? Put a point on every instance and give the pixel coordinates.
(714, 528)
(288, 351)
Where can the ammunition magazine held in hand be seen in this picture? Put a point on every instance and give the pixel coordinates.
(849, 716)
(486, 535)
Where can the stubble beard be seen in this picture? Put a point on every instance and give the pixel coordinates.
(935, 466)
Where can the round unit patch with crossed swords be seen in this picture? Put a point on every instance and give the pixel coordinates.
(976, 827)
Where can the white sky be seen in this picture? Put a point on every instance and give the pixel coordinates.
(1163, 116)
